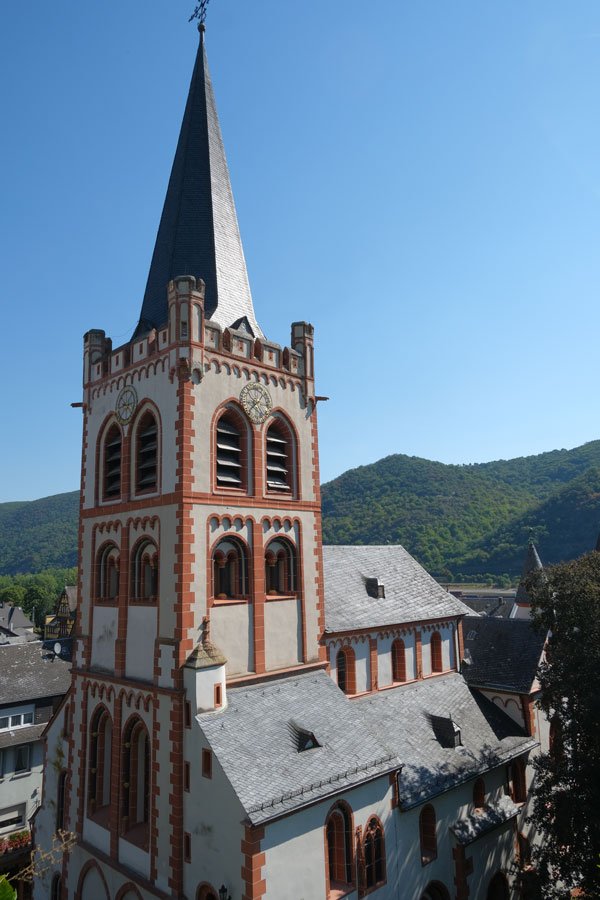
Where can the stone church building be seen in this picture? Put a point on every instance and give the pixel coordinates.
(253, 715)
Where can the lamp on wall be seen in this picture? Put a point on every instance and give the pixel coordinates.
(223, 893)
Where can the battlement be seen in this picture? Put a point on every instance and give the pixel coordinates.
(188, 330)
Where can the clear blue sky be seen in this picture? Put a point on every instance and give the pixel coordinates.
(421, 180)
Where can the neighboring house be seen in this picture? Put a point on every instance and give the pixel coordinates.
(488, 602)
(60, 624)
(15, 627)
(252, 714)
(32, 684)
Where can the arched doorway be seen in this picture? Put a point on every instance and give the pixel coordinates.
(435, 891)
(498, 889)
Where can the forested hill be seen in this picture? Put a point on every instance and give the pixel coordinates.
(474, 519)
(457, 520)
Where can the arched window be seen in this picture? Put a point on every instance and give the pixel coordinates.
(231, 452)
(479, 794)
(55, 893)
(111, 480)
(100, 760)
(427, 834)
(398, 661)
(206, 892)
(498, 889)
(60, 801)
(279, 458)
(436, 652)
(374, 854)
(345, 664)
(518, 781)
(338, 842)
(280, 568)
(135, 771)
(435, 891)
(144, 571)
(107, 572)
(146, 469)
(230, 570)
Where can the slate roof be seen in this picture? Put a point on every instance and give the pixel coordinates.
(256, 739)
(407, 717)
(25, 673)
(22, 735)
(13, 619)
(489, 603)
(411, 594)
(198, 232)
(470, 827)
(504, 653)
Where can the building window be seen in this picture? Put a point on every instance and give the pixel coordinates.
(230, 570)
(518, 781)
(100, 760)
(107, 572)
(187, 847)
(374, 854)
(279, 458)
(60, 801)
(280, 568)
(231, 452)
(135, 771)
(22, 756)
(345, 663)
(146, 478)
(338, 842)
(218, 696)
(188, 714)
(435, 645)
(207, 763)
(186, 777)
(479, 794)
(144, 571)
(524, 850)
(112, 463)
(427, 834)
(56, 891)
(10, 720)
(398, 661)
(12, 818)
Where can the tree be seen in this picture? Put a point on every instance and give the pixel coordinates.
(566, 792)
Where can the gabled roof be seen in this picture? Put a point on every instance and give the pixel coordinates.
(198, 232)
(256, 741)
(13, 619)
(532, 563)
(28, 673)
(410, 593)
(407, 717)
(504, 653)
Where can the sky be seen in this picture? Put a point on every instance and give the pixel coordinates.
(420, 180)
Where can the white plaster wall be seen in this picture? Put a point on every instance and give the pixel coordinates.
(141, 635)
(362, 652)
(114, 879)
(200, 687)
(96, 835)
(162, 750)
(445, 632)
(384, 656)
(103, 637)
(283, 633)
(231, 632)
(45, 820)
(25, 788)
(508, 703)
(134, 858)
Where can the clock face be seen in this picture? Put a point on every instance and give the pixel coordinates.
(126, 404)
(256, 402)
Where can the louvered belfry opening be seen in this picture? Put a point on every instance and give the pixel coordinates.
(147, 454)
(230, 455)
(112, 463)
(278, 459)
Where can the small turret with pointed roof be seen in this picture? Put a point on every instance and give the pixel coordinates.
(531, 564)
(198, 232)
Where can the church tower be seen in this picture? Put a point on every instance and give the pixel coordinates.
(200, 530)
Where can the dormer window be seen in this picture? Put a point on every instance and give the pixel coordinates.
(305, 739)
(375, 588)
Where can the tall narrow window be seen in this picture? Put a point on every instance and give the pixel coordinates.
(100, 761)
(346, 670)
(398, 661)
(112, 463)
(144, 571)
(374, 854)
(279, 460)
(280, 568)
(107, 572)
(230, 570)
(135, 802)
(479, 794)
(518, 781)
(427, 834)
(338, 842)
(147, 454)
(230, 454)
(56, 890)
(436, 652)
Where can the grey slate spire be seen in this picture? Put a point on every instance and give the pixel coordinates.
(198, 232)
(531, 564)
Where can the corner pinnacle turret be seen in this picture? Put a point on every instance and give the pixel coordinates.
(198, 232)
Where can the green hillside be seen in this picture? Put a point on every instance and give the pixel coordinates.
(457, 520)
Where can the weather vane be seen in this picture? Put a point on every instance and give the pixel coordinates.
(200, 12)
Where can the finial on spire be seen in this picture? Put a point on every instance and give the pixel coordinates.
(200, 13)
